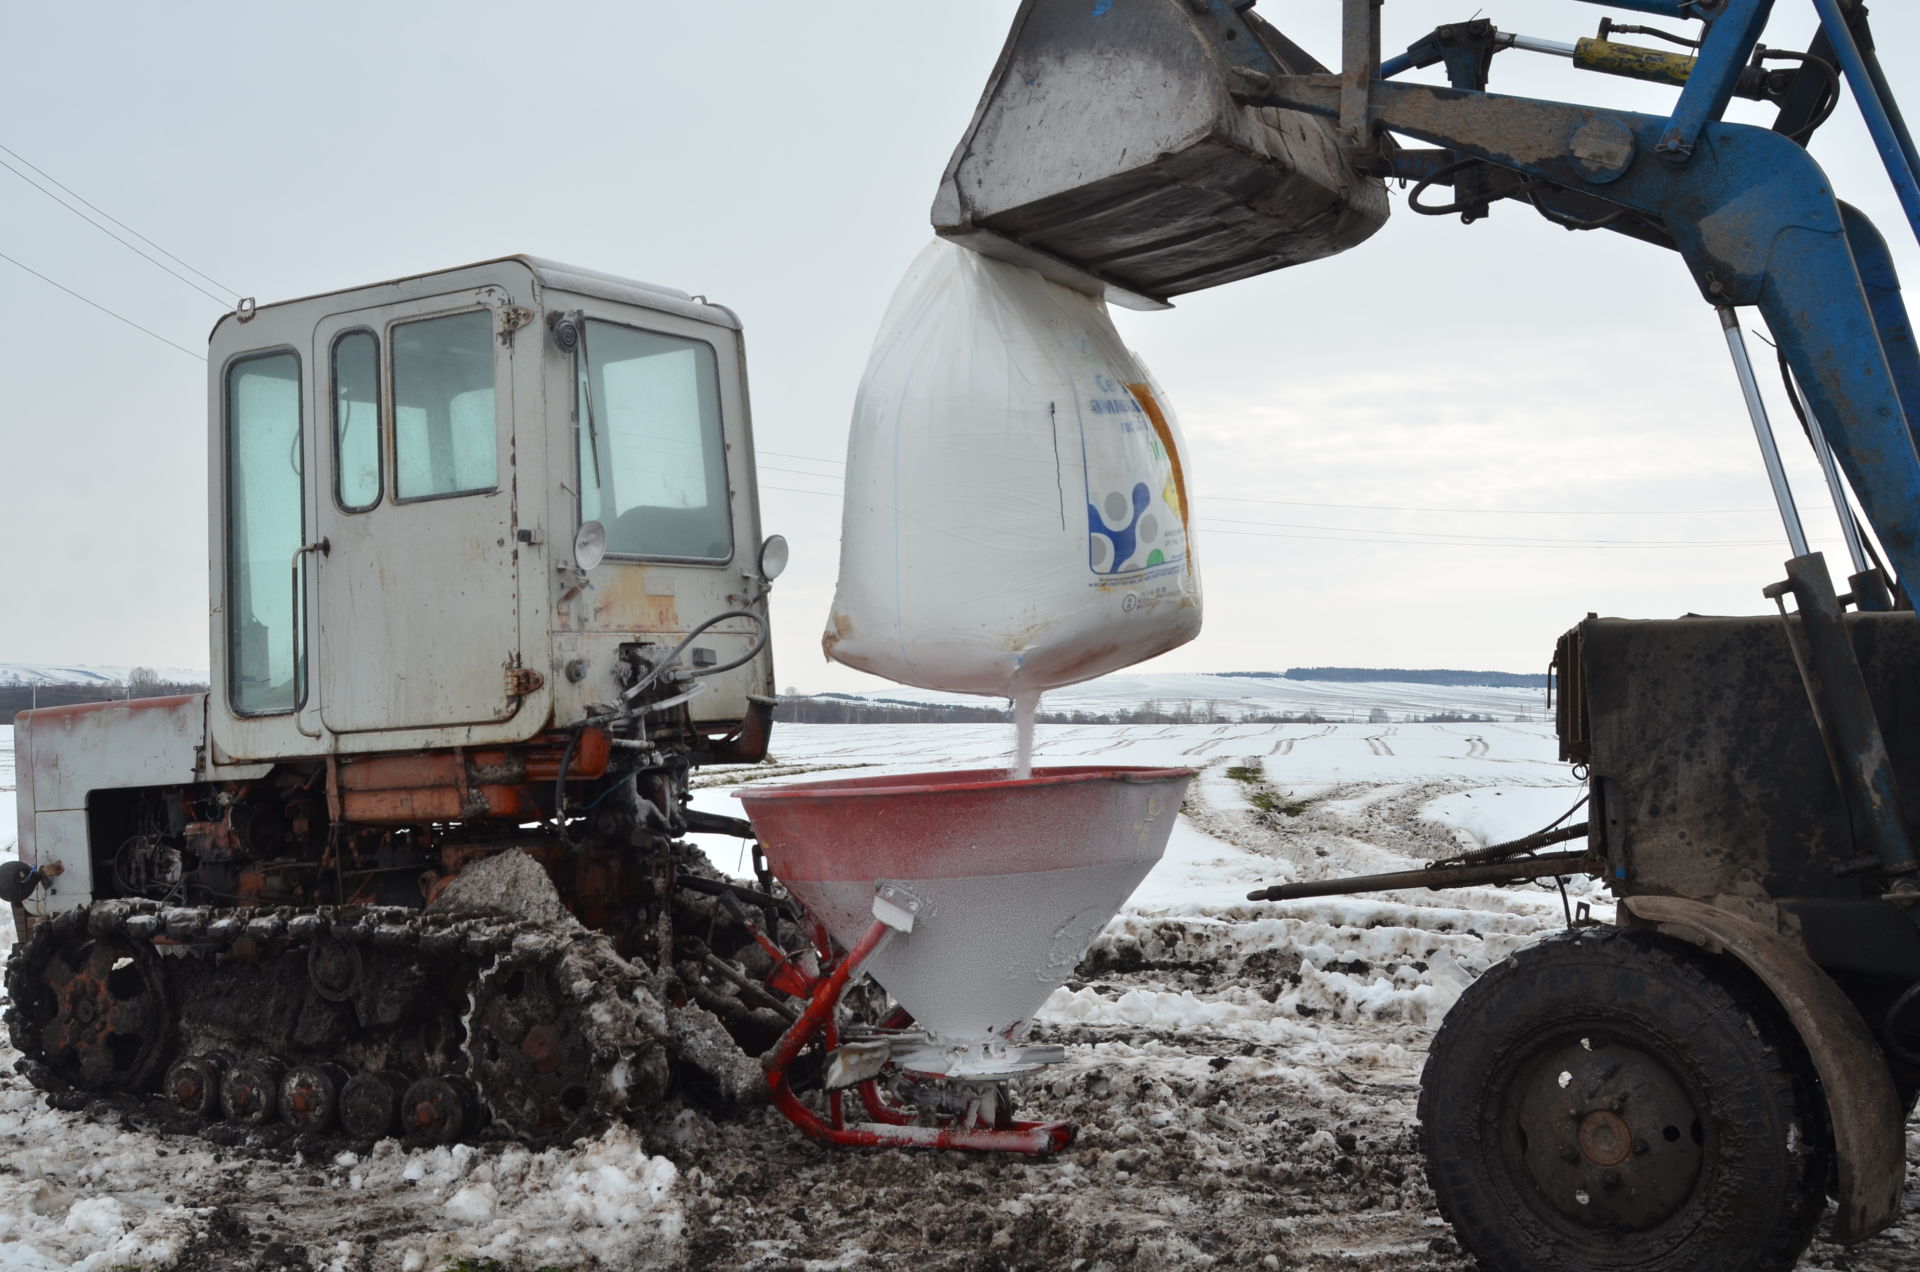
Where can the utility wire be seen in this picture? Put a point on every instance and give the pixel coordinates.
(231, 291)
(1505, 512)
(1518, 538)
(1300, 503)
(798, 472)
(817, 459)
(1411, 536)
(1562, 545)
(1570, 545)
(222, 301)
(102, 308)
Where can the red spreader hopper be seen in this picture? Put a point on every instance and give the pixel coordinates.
(970, 897)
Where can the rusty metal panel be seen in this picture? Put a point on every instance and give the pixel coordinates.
(60, 838)
(438, 804)
(1715, 775)
(109, 746)
(624, 601)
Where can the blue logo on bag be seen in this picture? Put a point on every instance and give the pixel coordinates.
(1126, 538)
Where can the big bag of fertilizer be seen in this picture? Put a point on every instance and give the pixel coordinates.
(1016, 507)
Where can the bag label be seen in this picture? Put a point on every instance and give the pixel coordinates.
(1136, 506)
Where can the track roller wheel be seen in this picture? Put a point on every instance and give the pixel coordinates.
(250, 1091)
(370, 1103)
(93, 1010)
(556, 1044)
(310, 1096)
(439, 1110)
(193, 1083)
(1617, 1101)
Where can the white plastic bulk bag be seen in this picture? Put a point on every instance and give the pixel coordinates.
(1016, 509)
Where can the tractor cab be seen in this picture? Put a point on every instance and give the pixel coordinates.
(446, 510)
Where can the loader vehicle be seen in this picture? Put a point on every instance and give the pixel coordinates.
(1685, 1087)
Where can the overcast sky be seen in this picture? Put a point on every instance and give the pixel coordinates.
(1568, 389)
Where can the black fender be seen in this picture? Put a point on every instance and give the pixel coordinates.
(1869, 1126)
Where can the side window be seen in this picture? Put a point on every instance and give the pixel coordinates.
(356, 421)
(443, 416)
(265, 512)
(653, 463)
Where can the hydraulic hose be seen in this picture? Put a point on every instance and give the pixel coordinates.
(659, 668)
(759, 643)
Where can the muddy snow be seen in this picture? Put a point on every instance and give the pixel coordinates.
(1244, 1075)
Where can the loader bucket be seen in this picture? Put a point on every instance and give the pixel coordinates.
(1108, 154)
(1014, 877)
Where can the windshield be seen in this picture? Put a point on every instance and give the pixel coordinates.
(652, 460)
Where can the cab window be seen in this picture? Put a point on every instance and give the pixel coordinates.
(652, 458)
(356, 421)
(443, 409)
(265, 514)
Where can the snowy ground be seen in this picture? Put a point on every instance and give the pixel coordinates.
(1225, 695)
(1244, 1074)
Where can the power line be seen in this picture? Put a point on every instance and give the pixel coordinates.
(1563, 545)
(1505, 512)
(218, 300)
(117, 221)
(1301, 503)
(1439, 534)
(817, 459)
(102, 308)
(799, 472)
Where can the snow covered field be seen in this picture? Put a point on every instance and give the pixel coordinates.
(1244, 1074)
(1242, 695)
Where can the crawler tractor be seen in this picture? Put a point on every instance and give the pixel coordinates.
(488, 583)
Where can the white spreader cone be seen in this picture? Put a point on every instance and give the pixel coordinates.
(1014, 877)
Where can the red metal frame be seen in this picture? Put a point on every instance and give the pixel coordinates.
(891, 1127)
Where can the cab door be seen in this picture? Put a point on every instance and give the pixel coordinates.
(416, 609)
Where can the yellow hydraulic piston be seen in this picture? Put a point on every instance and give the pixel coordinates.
(1632, 61)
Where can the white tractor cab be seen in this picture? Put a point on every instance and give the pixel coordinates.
(485, 549)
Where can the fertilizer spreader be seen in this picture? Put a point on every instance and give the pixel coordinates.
(969, 897)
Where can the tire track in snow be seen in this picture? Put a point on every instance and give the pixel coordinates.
(1285, 745)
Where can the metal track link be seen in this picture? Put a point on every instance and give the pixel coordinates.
(538, 1028)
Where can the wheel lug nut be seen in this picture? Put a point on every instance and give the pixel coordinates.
(1609, 1179)
(1570, 1156)
(1640, 1147)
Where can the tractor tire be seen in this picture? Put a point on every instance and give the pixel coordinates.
(1617, 1101)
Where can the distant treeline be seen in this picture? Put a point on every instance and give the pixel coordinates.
(1402, 675)
(17, 698)
(840, 708)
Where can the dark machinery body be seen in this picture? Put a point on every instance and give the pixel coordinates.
(1710, 779)
(1685, 1089)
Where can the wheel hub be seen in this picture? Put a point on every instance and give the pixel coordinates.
(537, 1076)
(97, 1009)
(1605, 1139)
(1608, 1134)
